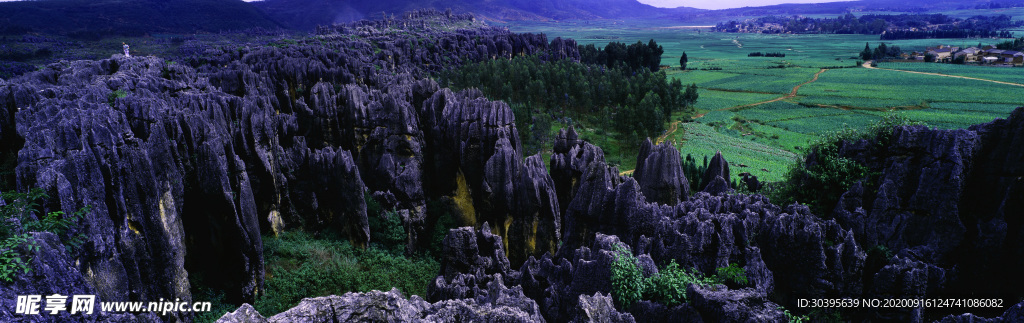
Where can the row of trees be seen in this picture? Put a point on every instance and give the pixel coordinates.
(635, 104)
(1016, 44)
(760, 54)
(881, 52)
(618, 55)
(956, 33)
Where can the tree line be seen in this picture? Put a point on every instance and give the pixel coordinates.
(634, 103)
(760, 54)
(956, 33)
(881, 52)
(1015, 44)
(618, 55)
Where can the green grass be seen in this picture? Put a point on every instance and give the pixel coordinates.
(299, 266)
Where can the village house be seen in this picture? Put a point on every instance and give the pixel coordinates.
(942, 53)
(970, 54)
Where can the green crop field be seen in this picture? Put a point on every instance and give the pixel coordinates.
(764, 161)
(745, 104)
(1004, 74)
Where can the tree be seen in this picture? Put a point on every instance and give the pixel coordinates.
(682, 61)
(866, 53)
(690, 96)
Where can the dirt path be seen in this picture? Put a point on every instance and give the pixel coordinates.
(868, 66)
(791, 94)
(671, 129)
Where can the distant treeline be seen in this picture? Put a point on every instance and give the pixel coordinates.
(958, 33)
(760, 54)
(617, 54)
(911, 26)
(634, 103)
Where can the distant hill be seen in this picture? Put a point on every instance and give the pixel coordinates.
(306, 14)
(97, 18)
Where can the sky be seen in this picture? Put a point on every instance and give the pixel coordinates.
(724, 4)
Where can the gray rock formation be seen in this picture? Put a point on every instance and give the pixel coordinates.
(659, 171)
(392, 306)
(718, 167)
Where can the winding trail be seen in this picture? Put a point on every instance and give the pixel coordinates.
(671, 129)
(791, 94)
(868, 66)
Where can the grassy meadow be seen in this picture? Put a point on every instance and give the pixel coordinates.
(747, 108)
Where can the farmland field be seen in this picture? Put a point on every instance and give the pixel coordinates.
(747, 100)
(1005, 74)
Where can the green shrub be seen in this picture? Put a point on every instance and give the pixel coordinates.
(23, 214)
(299, 266)
(386, 230)
(668, 286)
(794, 318)
(113, 96)
(628, 282)
(733, 274)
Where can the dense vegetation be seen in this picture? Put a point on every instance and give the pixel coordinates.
(300, 265)
(618, 55)
(634, 103)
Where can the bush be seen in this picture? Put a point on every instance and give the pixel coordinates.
(113, 96)
(23, 214)
(734, 274)
(668, 286)
(628, 282)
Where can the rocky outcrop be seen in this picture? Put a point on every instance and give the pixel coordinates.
(186, 165)
(659, 171)
(717, 168)
(392, 306)
(599, 308)
(717, 304)
(945, 203)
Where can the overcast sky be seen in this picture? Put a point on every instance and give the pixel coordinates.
(723, 4)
